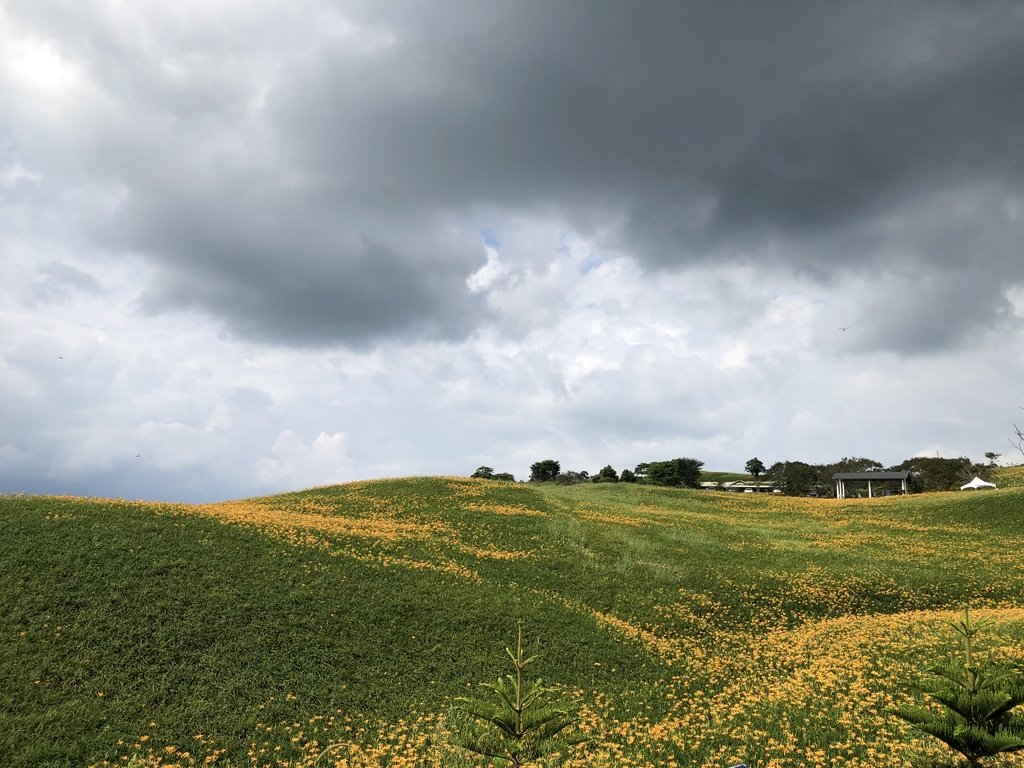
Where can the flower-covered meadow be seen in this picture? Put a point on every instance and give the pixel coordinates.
(337, 626)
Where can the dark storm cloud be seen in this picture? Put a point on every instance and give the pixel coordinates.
(833, 140)
(824, 138)
(302, 276)
(713, 120)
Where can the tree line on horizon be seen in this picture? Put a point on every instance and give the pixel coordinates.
(676, 473)
(927, 474)
(792, 478)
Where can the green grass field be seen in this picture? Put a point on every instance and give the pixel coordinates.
(691, 628)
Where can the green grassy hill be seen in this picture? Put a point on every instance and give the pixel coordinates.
(1008, 477)
(724, 477)
(703, 628)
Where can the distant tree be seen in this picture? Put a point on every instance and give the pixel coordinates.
(992, 456)
(933, 473)
(485, 472)
(755, 467)
(506, 476)
(607, 474)
(571, 477)
(794, 478)
(641, 471)
(854, 464)
(544, 471)
(683, 472)
(977, 470)
(627, 477)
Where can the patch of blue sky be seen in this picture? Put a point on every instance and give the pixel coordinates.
(490, 238)
(592, 261)
(563, 249)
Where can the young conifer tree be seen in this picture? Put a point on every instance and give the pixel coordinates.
(521, 722)
(976, 698)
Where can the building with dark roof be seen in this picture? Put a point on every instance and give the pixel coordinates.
(842, 478)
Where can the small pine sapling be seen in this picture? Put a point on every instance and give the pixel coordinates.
(521, 722)
(976, 698)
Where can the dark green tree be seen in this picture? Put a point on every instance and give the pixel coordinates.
(572, 477)
(484, 472)
(975, 699)
(932, 473)
(754, 467)
(794, 478)
(627, 477)
(640, 471)
(507, 476)
(683, 472)
(544, 471)
(607, 474)
(521, 722)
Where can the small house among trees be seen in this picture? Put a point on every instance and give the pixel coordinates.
(745, 486)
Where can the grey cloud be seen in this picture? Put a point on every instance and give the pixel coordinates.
(355, 298)
(928, 314)
(792, 135)
(90, 419)
(295, 264)
(309, 194)
(861, 149)
(789, 115)
(57, 280)
(132, 478)
(939, 273)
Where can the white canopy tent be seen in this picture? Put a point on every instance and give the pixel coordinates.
(976, 484)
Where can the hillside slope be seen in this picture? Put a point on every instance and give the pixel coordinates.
(701, 627)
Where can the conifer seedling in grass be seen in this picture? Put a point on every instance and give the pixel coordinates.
(976, 698)
(521, 722)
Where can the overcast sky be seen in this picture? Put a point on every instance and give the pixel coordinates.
(248, 247)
